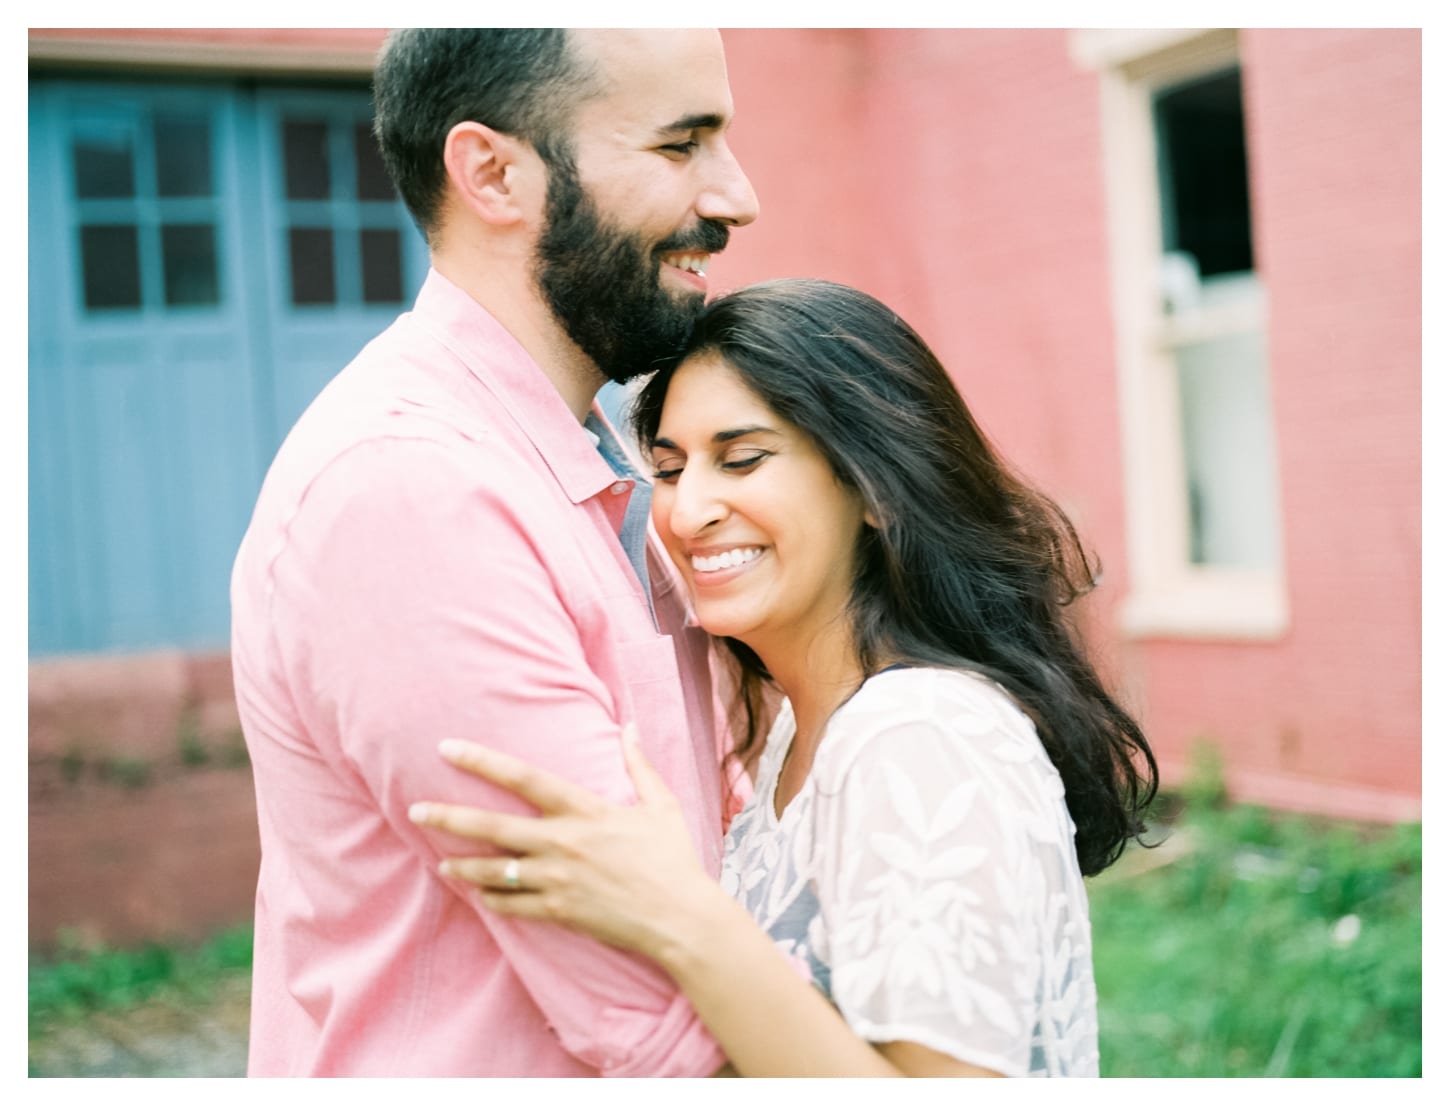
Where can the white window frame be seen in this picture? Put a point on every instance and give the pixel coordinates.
(1169, 596)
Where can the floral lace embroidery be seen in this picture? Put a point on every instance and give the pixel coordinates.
(925, 876)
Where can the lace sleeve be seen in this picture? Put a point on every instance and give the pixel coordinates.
(946, 878)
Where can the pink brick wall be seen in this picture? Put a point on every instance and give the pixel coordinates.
(1333, 120)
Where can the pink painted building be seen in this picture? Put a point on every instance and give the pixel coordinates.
(1177, 276)
(1004, 189)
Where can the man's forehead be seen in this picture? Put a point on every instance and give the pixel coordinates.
(673, 73)
(623, 46)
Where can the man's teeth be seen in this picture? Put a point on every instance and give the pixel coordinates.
(725, 560)
(696, 265)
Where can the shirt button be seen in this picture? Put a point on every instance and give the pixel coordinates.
(619, 487)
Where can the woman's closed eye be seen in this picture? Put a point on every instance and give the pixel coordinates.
(744, 461)
(739, 462)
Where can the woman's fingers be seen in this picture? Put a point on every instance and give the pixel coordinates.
(507, 831)
(518, 886)
(496, 873)
(551, 794)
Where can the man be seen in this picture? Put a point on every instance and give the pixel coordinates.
(451, 543)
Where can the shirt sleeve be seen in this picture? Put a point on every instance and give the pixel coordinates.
(427, 613)
(931, 827)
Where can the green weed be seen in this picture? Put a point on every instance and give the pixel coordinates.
(1278, 945)
(78, 979)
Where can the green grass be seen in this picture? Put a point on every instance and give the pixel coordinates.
(1231, 960)
(77, 980)
(1275, 945)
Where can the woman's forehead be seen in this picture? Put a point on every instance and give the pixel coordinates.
(706, 393)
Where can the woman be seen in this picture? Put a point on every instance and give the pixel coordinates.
(945, 767)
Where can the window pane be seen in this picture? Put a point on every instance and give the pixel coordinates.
(311, 252)
(304, 152)
(183, 155)
(382, 266)
(1223, 389)
(373, 182)
(105, 168)
(1203, 170)
(110, 267)
(188, 257)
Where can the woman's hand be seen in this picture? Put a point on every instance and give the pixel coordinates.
(627, 875)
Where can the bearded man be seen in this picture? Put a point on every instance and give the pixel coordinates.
(452, 543)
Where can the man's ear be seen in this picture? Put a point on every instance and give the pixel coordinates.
(490, 173)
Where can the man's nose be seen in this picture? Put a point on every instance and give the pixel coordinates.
(729, 197)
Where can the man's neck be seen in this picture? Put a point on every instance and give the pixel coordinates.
(519, 309)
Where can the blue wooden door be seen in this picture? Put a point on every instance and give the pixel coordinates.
(341, 252)
(176, 330)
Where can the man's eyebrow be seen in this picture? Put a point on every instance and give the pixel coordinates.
(710, 121)
(722, 436)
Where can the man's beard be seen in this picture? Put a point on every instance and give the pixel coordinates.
(603, 283)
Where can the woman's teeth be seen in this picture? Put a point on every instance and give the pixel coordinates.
(728, 559)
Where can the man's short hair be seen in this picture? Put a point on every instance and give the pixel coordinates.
(524, 82)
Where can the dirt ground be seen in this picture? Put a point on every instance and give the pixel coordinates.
(164, 1037)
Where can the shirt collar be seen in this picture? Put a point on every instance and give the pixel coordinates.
(504, 367)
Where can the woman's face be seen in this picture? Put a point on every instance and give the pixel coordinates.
(750, 511)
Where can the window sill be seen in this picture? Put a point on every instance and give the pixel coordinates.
(1210, 606)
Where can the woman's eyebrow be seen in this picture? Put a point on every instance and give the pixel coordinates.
(741, 431)
(720, 436)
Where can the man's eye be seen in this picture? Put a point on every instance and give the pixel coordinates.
(682, 148)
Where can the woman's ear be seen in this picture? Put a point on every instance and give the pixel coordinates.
(491, 174)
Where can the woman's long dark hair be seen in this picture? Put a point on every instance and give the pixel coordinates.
(968, 567)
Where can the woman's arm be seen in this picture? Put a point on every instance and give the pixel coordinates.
(628, 876)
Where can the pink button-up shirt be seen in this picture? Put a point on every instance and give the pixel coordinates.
(435, 554)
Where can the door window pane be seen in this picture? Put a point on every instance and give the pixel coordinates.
(304, 152)
(312, 276)
(104, 167)
(110, 266)
(183, 155)
(189, 262)
(382, 266)
(373, 182)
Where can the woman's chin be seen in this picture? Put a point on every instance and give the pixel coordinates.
(721, 624)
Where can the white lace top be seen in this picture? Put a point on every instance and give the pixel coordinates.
(925, 875)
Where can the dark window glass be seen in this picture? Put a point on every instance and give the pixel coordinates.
(183, 155)
(105, 167)
(312, 278)
(304, 151)
(188, 258)
(1203, 173)
(110, 266)
(373, 182)
(382, 266)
